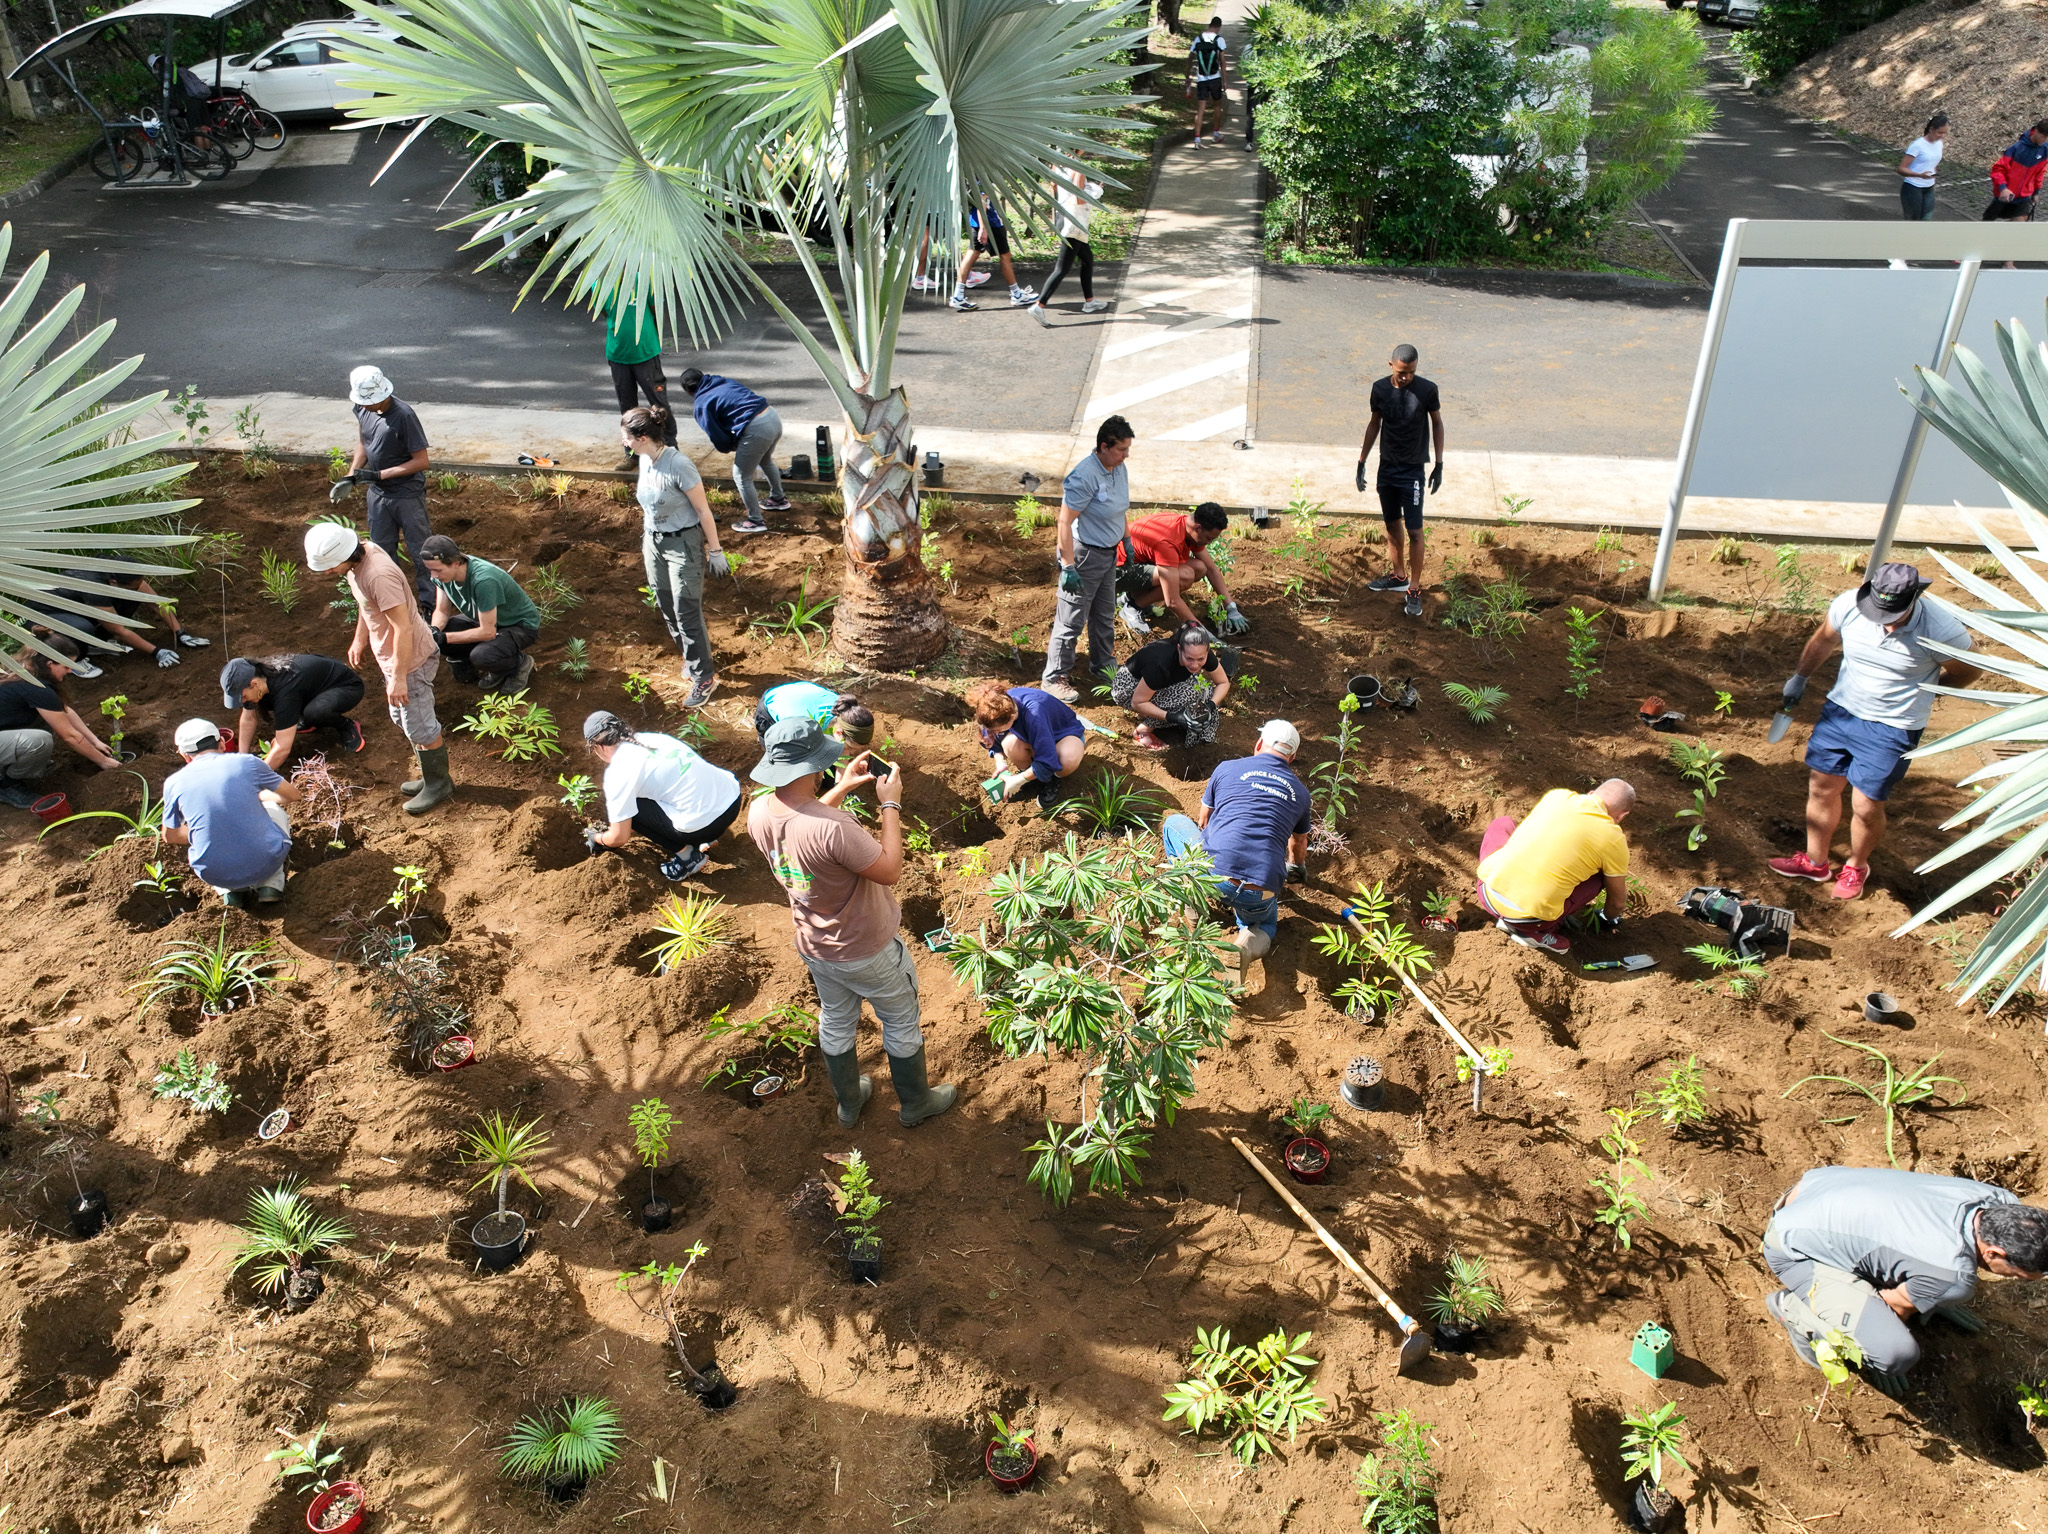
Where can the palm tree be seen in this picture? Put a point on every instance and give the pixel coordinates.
(670, 126)
(67, 465)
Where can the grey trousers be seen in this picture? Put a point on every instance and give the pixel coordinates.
(1094, 606)
(25, 755)
(403, 514)
(1834, 1298)
(417, 718)
(675, 570)
(887, 981)
(756, 450)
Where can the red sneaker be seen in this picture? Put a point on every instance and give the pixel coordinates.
(1850, 884)
(1800, 866)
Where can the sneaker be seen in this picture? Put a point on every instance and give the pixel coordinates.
(1800, 866)
(700, 693)
(85, 668)
(1094, 305)
(1850, 884)
(1801, 1343)
(1022, 295)
(1413, 606)
(1198, 143)
(962, 303)
(750, 525)
(1038, 313)
(1388, 583)
(683, 864)
(351, 735)
(776, 503)
(13, 793)
(921, 284)
(1061, 688)
(1549, 942)
(976, 279)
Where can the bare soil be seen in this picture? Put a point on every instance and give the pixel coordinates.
(141, 1384)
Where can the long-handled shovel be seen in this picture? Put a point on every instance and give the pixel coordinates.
(1414, 1340)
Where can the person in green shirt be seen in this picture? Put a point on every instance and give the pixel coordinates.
(632, 347)
(482, 621)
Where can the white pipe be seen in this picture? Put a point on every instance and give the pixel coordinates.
(1696, 407)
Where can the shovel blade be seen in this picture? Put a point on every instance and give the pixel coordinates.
(1638, 961)
(1780, 723)
(1414, 1349)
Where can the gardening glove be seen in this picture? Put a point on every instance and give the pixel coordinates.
(1361, 476)
(193, 641)
(591, 844)
(1070, 580)
(720, 566)
(1297, 873)
(367, 477)
(1795, 689)
(440, 640)
(1605, 924)
(166, 657)
(1960, 1315)
(1436, 478)
(338, 491)
(1235, 622)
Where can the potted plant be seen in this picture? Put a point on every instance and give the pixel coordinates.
(709, 1386)
(860, 1208)
(1011, 1458)
(1438, 908)
(282, 1239)
(761, 1054)
(89, 1210)
(116, 709)
(337, 1506)
(563, 1446)
(1648, 1439)
(502, 1148)
(1306, 1158)
(653, 1124)
(1467, 1301)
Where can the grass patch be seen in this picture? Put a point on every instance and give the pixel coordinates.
(26, 148)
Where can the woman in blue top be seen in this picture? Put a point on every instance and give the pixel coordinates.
(1031, 737)
(678, 540)
(839, 714)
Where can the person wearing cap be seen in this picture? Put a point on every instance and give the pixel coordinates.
(1535, 873)
(290, 693)
(657, 787)
(1253, 822)
(839, 714)
(390, 459)
(839, 880)
(390, 627)
(482, 621)
(1873, 716)
(116, 611)
(227, 810)
(1030, 736)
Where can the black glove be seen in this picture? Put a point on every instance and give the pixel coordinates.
(366, 477)
(1795, 689)
(1297, 874)
(441, 640)
(1361, 476)
(1605, 924)
(1436, 478)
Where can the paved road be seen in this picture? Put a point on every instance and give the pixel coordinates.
(284, 279)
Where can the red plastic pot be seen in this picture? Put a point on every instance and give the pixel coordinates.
(454, 1052)
(51, 808)
(1306, 1160)
(1011, 1483)
(335, 1493)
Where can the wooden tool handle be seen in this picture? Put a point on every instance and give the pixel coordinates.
(1401, 1317)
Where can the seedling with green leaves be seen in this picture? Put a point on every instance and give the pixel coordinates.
(1494, 613)
(1334, 785)
(550, 591)
(146, 824)
(210, 973)
(1399, 1482)
(1012, 1448)
(1029, 516)
(578, 792)
(302, 1459)
(115, 709)
(186, 1080)
(1439, 904)
(503, 1148)
(1724, 704)
(1898, 1090)
(637, 687)
(1469, 1296)
(1305, 1115)
(1254, 1394)
(1746, 980)
(859, 1207)
(1624, 1208)
(1679, 1096)
(1581, 644)
(1109, 804)
(1382, 952)
(1793, 581)
(1498, 1058)
(691, 926)
(575, 661)
(2032, 1397)
(785, 1031)
(668, 1279)
(524, 730)
(799, 618)
(653, 1124)
(563, 1446)
(1648, 1438)
(282, 1234)
(1700, 765)
(280, 580)
(1838, 1355)
(160, 879)
(1481, 704)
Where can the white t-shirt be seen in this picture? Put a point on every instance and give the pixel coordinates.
(1074, 209)
(690, 791)
(664, 492)
(1222, 48)
(1924, 157)
(1881, 673)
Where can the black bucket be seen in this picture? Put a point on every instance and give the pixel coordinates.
(1366, 689)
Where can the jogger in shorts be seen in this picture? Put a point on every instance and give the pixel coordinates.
(1207, 56)
(1407, 420)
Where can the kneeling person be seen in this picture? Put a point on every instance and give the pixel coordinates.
(1166, 554)
(1176, 683)
(1031, 737)
(482, 620)
(839, 714)
(291, 693)
(1253, 822)
(1556, 863)
(227, 811)
(657, 787)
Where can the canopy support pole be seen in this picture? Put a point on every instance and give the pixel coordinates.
(1696, 407)
(1916, 438)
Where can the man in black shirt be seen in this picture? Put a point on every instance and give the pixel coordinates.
(292, 692)
(1406, 420)
(391, 459)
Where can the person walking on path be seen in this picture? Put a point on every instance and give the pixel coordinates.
(34, 716)
(987, 231)
(1407, 418)
(1072, 212)
(1867, 1250)
(227, 810)
(839, 880)
(1253, 822)
(657, 787)
(1090, 528)
(1164, 555)
(291, 693)
(678, 543)
(1872, 718)
(1917, 170)
(1207, 60)
(738, 421)
(1556, 863)
(391, 628)
(632, 350)
(2016, 176)
(391, 460)
(1178, 683)
(1030, 736)
(482, 621)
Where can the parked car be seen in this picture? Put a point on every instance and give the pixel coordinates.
(300, 72)
(1732, 13)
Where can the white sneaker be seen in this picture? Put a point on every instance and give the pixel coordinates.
(1095, 306)
(921, 284)
(976, 279)
(1038, 313)
(1020, 295)
(85, 668)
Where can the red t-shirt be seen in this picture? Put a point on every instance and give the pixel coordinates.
(1160, 539)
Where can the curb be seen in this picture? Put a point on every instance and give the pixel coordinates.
(1515, 278)
(47, 177)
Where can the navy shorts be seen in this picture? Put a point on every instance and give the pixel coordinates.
(1871, 756)
(1401, 497)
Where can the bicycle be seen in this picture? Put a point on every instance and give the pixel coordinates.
(148, 144)
(240, 126)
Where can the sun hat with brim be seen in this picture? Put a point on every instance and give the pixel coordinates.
(794, 749)
(196, 735)
(234, 676)
(367, 385)
(1890, 593)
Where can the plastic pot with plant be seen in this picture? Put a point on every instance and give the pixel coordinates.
(764, 1051)
(282, 1240)
(1440, 908)
(562, 1447)
(859, 1208)
(1648, 1439)
(709, 1385)
(1468, 1300)
(89, 1209)
(1305, 1157)
(1011, 1458)
(653, 1124)
(2032, 1398)
(338, 1505)
(502, 1147)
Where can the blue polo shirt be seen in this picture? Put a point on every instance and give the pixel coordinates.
(235, 843)
(1255, 804)
(1101, 497)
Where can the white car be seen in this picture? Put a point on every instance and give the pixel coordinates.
(300, 72)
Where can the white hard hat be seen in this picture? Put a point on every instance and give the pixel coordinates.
(328, 544)
(367, 385)
(1281, 736)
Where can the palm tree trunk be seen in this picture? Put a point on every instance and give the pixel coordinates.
(888, 616)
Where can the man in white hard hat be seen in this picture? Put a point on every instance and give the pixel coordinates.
(389, 626)
(1253, 822)
(391, 460)
(226, 809)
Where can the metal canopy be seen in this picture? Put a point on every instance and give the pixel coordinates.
(70, 42)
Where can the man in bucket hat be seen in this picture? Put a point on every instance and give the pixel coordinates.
(391, 461)
(838, 879)
(1873, 716)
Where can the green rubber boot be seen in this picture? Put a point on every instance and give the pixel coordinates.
(917, 1100)
(412, 786)
(848, 1085)
(435, 784)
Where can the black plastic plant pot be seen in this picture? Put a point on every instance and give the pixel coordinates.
(88, 1214)
(1459, 1337)
(1307, 1160)
(714, 1392)
(1366, 689)
(655, 1214)
(1011, 1469)
(1364, 1085)
(1879, 1007)
(1653, 1507)
(303, 1287)
(565, 1491)
(499, 1239)
(864, 1264)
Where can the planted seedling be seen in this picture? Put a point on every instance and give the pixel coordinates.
(406, 895)
(302, 1459)
(1481, 704)
(859, 1208)
(786, 1031)
(1581, 643)
(1498, 1058)
(213, 974)
(1253, 1394)
(160, 880)
(1838, 1355)
(563, 1446)
(1494, 613)
(280, 580)
(1018, 639)
(1011, 1456)
(502, 1147)
(1898, 1090)
(637, 687)
(575, 659)
(525, 730)
(116, 709)
(1437, 907)
(1029, 516)
(1679, 1096)
(691, 926)
(89, 1205)
(578, 792)
(1383, 952)
(1112, 803)
(1795, 584)
(1305, 1115)
(1746, 980)
(2032, 1396)
(146, 824)
(323, 798)
(1724, 704)
(1334, 785)
(1467, 1301)
(1624, 1208)
(1649, 1438)
(1399, 1483)
(709, 1386)
(653, 1124)
(186, 1080)
(281, 1240)
(798, 618)
(550, 591)
(1700, 765)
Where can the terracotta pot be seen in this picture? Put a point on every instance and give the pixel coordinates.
(324, 1506)
(454, 1052)
(1015, 1482)
(1307, 1160)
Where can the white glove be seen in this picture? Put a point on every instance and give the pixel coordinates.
(192, 641)
(167, 657)
(339, 491)
(1133, 619)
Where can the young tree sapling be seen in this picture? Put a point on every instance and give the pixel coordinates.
(653, 1125)
(1254, 1393)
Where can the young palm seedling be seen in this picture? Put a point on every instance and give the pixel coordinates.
(708, 1386)
(280, 580)
(859, 1209)
(1112, 803)
(1898, 1090)
(1481, 704)
(186, 1080)
(575, 659)
(502, 1148)
(799, 618)
(1253, 1394)
(691, 926)
(218, 977)
(563, 1446)
(1011, 1457)
(1746, 975)
(301, 1459)
(1648, 1439)
(160, 880)
(281, 1240)
(653, 1124)
(1399, 1482)
(146, 824)
(551, 592)
(1467, 1301)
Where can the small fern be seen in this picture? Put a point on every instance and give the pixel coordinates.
(1480, 703)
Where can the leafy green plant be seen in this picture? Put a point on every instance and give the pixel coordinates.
(1305, 1116)
(2032, 1398)
(524, 730)
(116, 709)
(578, 792)
(1382, 952)
(1700, 765)
(1013, 1448)
(1679, 1096)
(1334, 785)
(1724, 704)
(1494, 613)
(282, 1234)
(1606, 541)
(1897, 1090)
(213, 974)
(799, 618)
(1838, 1355)
(302, 1458)
(653, 1123)
(1794, 584)
(407, 893)
(550, 591)
(1253, 1394)
(1111, 803)
(337, 463)
(1108, 954)
(503, 1148)
(691, 926)
(565, 1445)
(1745, 983)
(1399, 1482)
(344, 603)
(637, 686)
(188, 407)
(1439, 904)
(859, 1206)
(787, 1030)
(1624, 1208)
(1029, 516)
(1581, 644)
(160, 879)
(1512, 507)
(1498, 1058)
(258, 456)
(1648, 1438)
(575, 661)
(1480, 703)
(668, 1281)
(1726, 551)
(1469, 1296)
(280, 580)
(448, 482)
(186, 1080)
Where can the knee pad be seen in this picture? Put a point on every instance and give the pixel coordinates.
(1252, 943)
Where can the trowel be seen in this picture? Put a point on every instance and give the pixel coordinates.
(1781, 721)
(1632, 961)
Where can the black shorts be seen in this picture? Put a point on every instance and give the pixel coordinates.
(1137, 580)
(2019, 208)
(1208, 90)
(998, 241)
(1401, 497)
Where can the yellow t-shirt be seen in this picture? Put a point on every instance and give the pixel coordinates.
(1567, 839)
